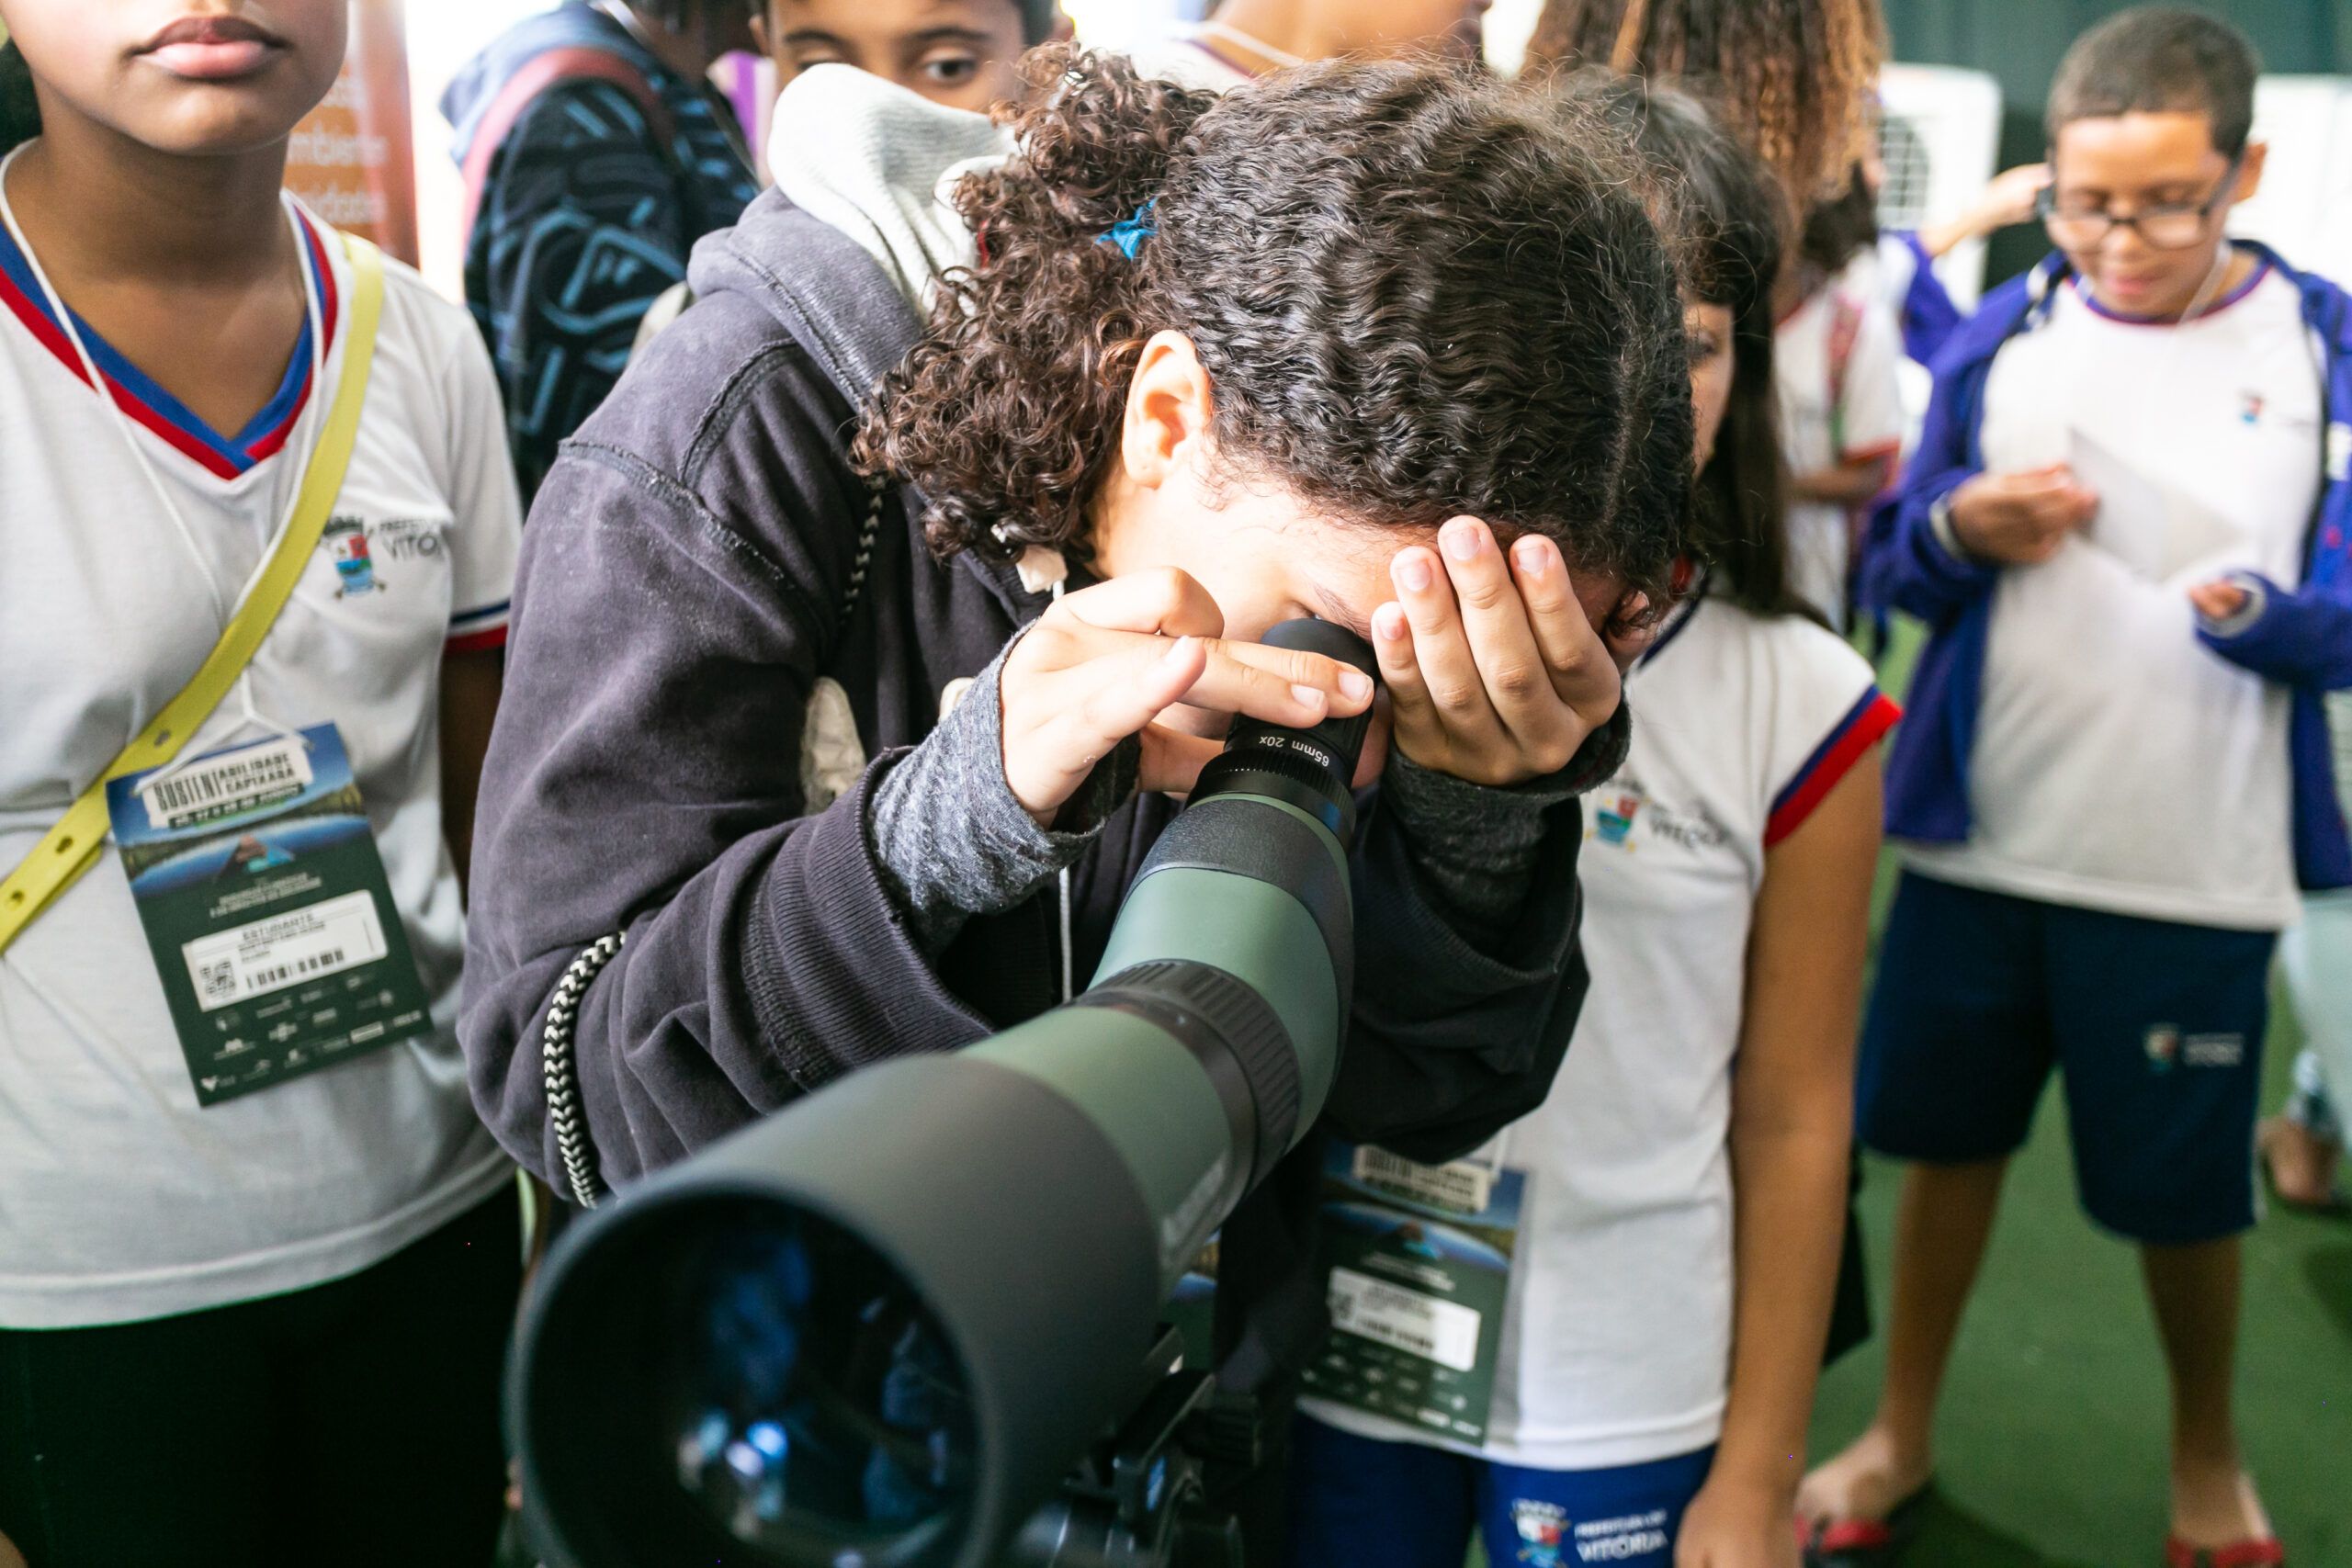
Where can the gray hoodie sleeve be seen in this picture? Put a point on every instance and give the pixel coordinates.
(952, 840)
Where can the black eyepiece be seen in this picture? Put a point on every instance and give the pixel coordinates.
(1312, 769)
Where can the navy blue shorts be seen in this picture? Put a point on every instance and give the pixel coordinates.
(1361, 1503)
(2157, 1028)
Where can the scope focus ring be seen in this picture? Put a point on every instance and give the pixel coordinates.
(1203, 1005)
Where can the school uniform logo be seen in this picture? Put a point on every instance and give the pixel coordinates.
(355, 567)
(2167, 1047)
(2250, 407)
(1614, 815)
(1542, 1526)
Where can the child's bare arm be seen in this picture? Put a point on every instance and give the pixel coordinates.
(2007, 200)
(1846, 484)
(469, 687)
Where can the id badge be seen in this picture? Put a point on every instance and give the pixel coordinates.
(264, 899)
(1418, 1260)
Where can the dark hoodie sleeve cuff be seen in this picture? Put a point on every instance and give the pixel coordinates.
(951, 840)
(1479, 845)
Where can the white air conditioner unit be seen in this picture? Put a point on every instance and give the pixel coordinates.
(2304, 208)
(1122, 24)
(1510, 24)
(1938, 135)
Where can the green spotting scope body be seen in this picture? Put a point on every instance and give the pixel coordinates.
(875, 1329)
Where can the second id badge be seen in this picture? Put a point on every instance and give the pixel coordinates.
(262, 895)
(1418, 1261)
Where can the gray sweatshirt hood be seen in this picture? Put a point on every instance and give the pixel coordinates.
(847, 247)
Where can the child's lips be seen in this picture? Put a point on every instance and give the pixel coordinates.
(212, 62)
(211, 49)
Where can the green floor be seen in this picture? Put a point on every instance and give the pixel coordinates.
(2052, 1443)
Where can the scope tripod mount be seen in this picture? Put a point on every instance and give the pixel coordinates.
(1138, 1499)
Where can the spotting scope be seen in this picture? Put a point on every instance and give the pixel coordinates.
(876, 1329)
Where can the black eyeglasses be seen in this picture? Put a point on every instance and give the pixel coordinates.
(2165, 226)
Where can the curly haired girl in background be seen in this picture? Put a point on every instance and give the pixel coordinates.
(1672, 1280)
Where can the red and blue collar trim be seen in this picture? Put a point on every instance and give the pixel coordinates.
(148, 404)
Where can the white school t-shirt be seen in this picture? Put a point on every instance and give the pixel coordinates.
(119, 1198)
(1616, 1338)
(2118, 763)
(1833, 361)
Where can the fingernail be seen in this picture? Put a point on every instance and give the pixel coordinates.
(1388, 622)
(1355, 685)
(1465, 541)
(1308, 697)
(1413, 571)
(1531, 557)
(1176, 652)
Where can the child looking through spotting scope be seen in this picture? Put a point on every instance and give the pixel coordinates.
(1220, 363)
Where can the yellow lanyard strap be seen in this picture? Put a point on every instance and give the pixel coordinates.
(68, 850)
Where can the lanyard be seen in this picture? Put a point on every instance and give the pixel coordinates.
(99, 384)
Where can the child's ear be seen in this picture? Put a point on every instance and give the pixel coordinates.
(1169, 407)
(760, 33)
(1064, 30)
(2250, 171)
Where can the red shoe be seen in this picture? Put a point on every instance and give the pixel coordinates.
(1869, 1543)
(2262, 1551)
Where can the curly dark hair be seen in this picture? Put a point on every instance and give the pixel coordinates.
(1723, 215)
(1792, 77)
(1416, 295)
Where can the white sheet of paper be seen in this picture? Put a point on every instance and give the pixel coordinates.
(2194, 531)
(2130, 524)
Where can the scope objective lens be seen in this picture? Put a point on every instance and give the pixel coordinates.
(820, 1413)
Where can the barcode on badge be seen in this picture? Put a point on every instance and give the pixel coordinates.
(227, 783)
(1463, 1187)
(285, 950)
(1443, 1332)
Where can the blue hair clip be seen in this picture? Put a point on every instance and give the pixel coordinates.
(1130, 233)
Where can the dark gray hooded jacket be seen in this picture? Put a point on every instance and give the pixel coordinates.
(679, 595)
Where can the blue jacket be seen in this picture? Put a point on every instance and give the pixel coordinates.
(2300, 636)
(1928, 315)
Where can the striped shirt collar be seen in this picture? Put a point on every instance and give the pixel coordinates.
(148, 404)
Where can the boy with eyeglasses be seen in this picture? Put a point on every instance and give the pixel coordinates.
(2125, 528)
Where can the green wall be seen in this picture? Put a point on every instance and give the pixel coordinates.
(2020, 40)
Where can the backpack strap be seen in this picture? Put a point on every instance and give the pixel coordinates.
(571, 63)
